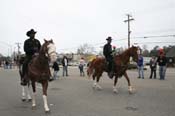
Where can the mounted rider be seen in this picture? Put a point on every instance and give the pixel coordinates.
(31, 48)
(107, 52)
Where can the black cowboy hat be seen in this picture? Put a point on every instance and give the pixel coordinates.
(32, 31)
(109, 38)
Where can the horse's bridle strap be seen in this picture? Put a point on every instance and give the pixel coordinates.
(51, 53)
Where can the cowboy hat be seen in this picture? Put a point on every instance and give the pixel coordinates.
(32, 31)
(109, 38)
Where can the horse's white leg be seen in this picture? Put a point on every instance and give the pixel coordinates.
(33, 100)
(94, 84)
(45, 103)
(98, 87)
(23, 93)
(130, 89)
(115, 84)
(115, 89)
(28, 94)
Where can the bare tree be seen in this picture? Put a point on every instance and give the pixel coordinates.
(85, 49)
(145, 51)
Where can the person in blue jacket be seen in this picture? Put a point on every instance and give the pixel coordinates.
(140, 66)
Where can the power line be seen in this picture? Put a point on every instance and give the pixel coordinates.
(154, 36)
(152, 42)
(141, 37)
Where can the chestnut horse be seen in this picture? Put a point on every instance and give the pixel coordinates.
(38, 70)
(121, 61)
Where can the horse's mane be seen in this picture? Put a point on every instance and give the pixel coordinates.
(124, 56)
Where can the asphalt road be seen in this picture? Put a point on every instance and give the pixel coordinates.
(74, 96)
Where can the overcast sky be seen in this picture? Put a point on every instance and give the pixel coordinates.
(71, 23)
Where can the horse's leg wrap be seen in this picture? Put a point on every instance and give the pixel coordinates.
(115, 89)
(130, 89)
(98, 87)
(45, 103)
(23, 93)
(94, 84)
(28, 93)
(33, 99)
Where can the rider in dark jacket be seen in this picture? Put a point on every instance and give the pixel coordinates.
(31, 47)
(107, 52)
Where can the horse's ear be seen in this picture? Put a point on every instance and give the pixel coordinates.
(51, 41)
(45, 40)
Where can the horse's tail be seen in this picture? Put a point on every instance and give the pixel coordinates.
(90, 68)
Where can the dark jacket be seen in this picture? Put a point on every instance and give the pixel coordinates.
(55, 66)
(153, 64)
(107, 50)
(140, 61)
(31, 46)
(63, 62)
(162, 61)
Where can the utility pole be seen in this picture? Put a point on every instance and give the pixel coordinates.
(18, 46)
(129, 18)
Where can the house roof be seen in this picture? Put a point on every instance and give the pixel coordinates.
(171, 52)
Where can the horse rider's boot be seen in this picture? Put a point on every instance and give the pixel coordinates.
(51, 78)
(23, 81)
(110, 74)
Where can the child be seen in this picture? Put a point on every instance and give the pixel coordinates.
(56, 69)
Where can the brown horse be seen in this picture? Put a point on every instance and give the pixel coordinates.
(38, 70)
(99, 65)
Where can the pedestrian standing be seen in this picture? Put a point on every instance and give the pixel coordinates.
(81, 66)
(162, 62)
(56, 69)
(65, 65)
(153, 67)
(140, 66)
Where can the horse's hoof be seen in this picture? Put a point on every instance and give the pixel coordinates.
(93, 87)
(23, 100)
(99, 88)
(131, 90)
(33, 107)
(115, 91)
(48, 112)
(29, 100)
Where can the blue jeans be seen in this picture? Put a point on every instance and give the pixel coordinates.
(55, 75)
(65, 70)
(162, 70)
(140, 71)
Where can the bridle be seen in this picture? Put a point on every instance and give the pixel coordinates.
(50, 54)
